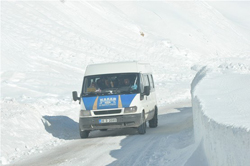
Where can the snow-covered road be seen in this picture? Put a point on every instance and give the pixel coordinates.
(166, 144)
(46, 46)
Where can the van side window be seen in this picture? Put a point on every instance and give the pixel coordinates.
(145, 80)
(141, 84)
(151, 81)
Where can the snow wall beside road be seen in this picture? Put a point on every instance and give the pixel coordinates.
(221, 113)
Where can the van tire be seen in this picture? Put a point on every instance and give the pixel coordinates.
(153, 123)
(84, 133)
(142, 128)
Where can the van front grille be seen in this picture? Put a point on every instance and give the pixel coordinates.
(107, 112)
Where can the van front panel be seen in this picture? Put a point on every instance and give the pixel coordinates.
(108, 102)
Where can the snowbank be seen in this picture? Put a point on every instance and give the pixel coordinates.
(220, 98)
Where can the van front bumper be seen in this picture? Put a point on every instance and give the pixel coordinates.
(118, 121)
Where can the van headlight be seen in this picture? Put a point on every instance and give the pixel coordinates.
(130, 109)
(85, 113)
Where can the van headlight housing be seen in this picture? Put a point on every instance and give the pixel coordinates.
(85, 113)
(130, 109)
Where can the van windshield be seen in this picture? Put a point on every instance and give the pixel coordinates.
(110, 84)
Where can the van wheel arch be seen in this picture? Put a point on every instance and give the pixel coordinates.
(84, 133)
(153, 123)
(142, 128)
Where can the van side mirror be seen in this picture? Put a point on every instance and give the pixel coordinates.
(75, 96)
(146, 90)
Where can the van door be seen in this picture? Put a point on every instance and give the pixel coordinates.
(150, 100)
(152, 92)
(146, 99)
(149, 97)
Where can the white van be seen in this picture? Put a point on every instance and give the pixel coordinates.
(117, 95)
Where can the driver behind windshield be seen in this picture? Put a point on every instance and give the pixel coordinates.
(127, 83)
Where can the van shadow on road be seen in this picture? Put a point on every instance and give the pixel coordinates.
(61, 127)
(159, 146)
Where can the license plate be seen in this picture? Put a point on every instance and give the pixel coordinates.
(113, 120)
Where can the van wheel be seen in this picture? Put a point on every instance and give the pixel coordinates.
(84, 133)
(142, 128)
(154, 122)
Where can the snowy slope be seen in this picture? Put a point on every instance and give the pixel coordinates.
(45, 47)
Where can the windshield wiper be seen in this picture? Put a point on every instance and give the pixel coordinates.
(90, 94)
(126, 92)
(106, 93)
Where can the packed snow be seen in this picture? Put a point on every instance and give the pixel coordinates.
(193, 46)
(220, 100)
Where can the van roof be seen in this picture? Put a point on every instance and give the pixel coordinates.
(118, 67)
